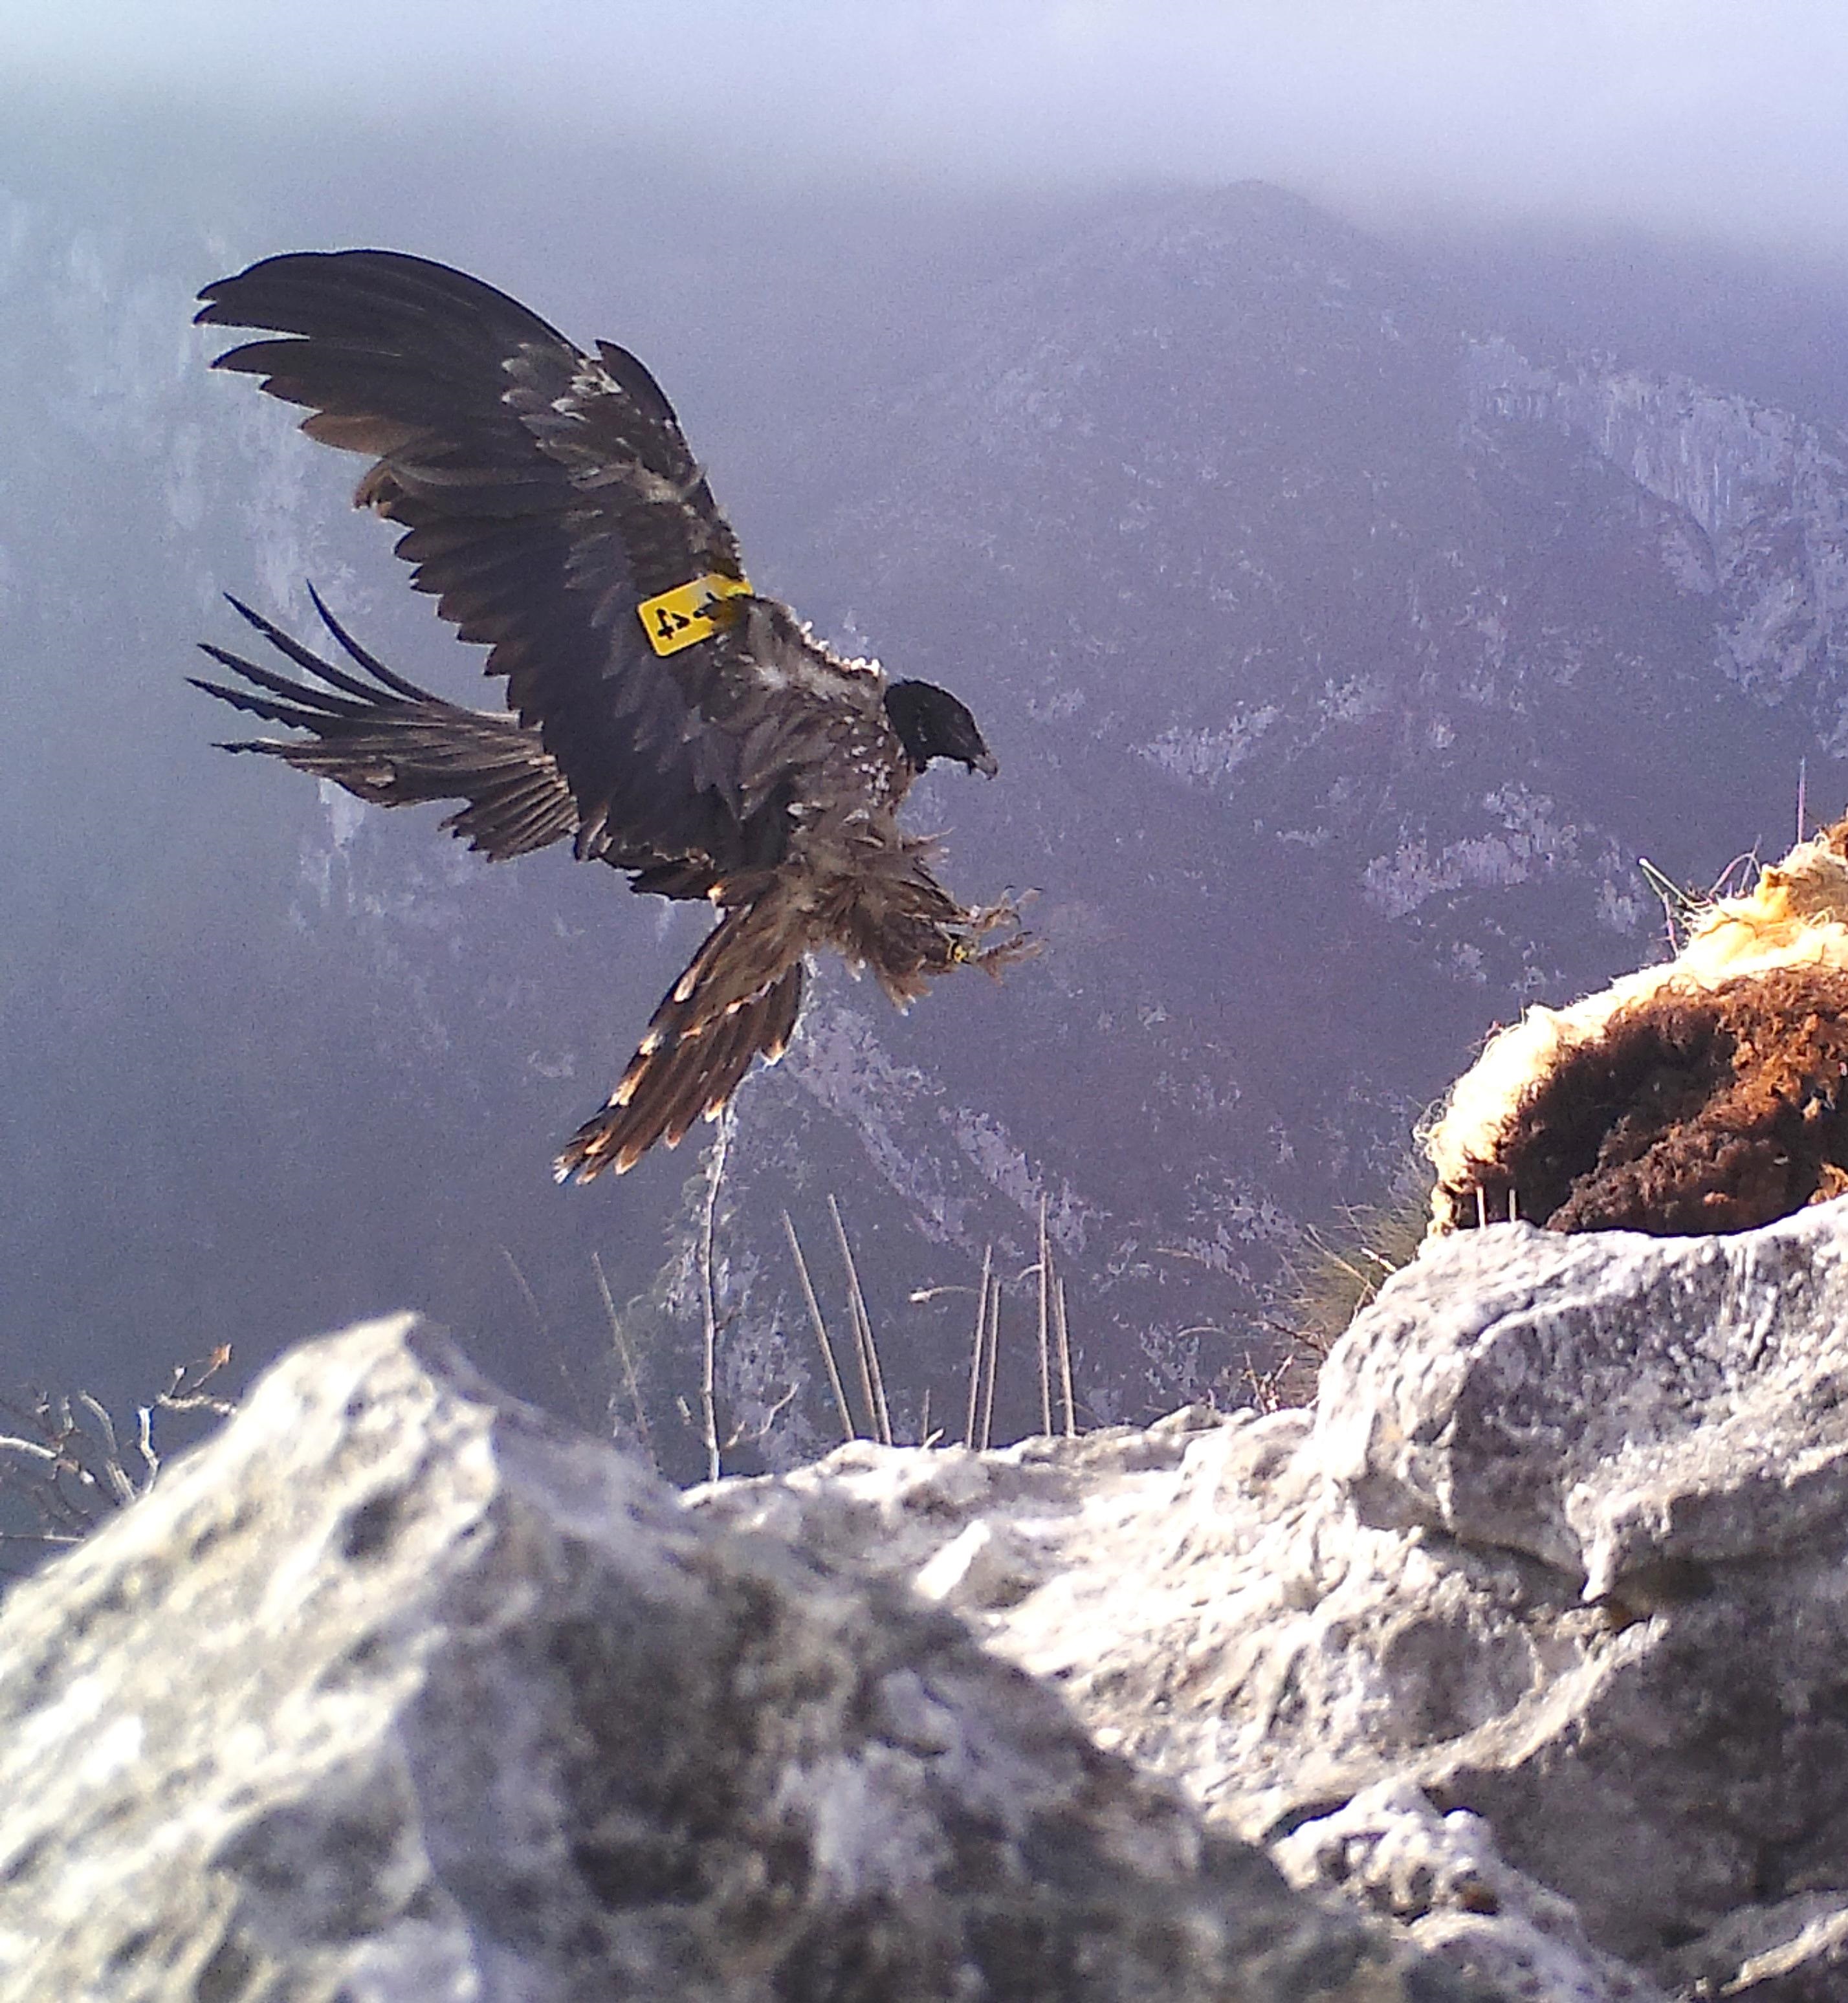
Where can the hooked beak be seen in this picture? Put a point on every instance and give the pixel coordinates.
(987, 765)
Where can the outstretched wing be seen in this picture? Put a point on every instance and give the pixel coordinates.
(549, 498)
(388, 741)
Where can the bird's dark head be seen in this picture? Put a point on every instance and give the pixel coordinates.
(931, 723)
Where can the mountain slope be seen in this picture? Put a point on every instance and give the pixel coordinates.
(1341, 661)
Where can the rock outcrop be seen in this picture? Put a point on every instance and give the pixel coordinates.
(397, 1692)
(1528, 1645)
(1557, 1570)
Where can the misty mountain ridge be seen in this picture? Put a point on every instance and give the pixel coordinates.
(1340, 658)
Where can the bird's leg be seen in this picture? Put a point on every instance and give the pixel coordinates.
(966, 946)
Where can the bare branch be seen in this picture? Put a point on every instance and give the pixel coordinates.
(70, 1466)
(11, 1442)
(186, 1391)
(121, 1486)
(144, 1443)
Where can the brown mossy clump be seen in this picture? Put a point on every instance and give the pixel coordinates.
(1695, 1111)
(1705, 1094)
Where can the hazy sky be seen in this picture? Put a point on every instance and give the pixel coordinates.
(1726, 117)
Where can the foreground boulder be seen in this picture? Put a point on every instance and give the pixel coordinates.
(397, 1692)
(1530, 1645)
(1554, 1582)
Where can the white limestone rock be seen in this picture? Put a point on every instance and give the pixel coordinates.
(1612, 1404)
(396, 1692)
(1564, 1547)
(1442, 1879)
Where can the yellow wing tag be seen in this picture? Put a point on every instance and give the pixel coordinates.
(689, 613)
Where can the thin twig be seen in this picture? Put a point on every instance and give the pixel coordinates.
(872, 1343)
(708, 1297)
(143, 1444)
(12, 1441)
(862, 1328)
(976, 1354)
(740, 1433)
(1065, 1358)
(84, 1471)
(100, 1412)
(625, 1355)
(1045, 1351)
(121, 1486)
(821, 1336)
(186, 1389)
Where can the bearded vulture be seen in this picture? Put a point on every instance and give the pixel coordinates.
(673, 722)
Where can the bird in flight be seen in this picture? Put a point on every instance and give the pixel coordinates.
(667, 719)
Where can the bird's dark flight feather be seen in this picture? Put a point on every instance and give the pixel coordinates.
(536, 485)
(393, 744)
(546, 495)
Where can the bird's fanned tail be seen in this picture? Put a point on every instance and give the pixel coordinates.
(386, 740)
(737, 1000)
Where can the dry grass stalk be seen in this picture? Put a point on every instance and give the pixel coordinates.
(871, 1376)
(1044, 1331)
(1334, 1274)
(980, 1349)
(574, 1397)
(709, 1299)
(1062, 1337)
(631, 1382)
(994, 1348)
(848, 1429)
(1269, 1390)
(527, 1294)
